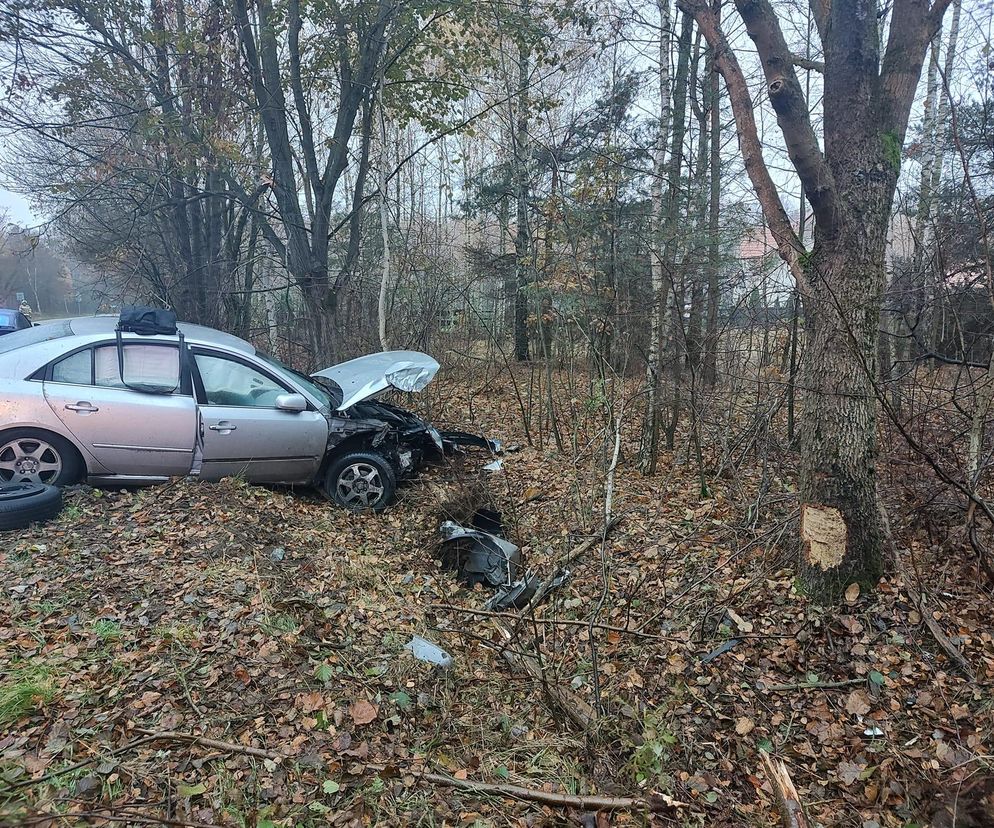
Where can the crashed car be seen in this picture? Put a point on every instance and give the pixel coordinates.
(94, 399)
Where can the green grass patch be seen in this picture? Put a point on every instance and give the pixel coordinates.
(107, 630)
(24, 690)
(279, 623)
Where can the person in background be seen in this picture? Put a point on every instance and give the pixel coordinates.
(25, 308)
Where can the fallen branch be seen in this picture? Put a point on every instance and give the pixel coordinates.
(130, 819)
(23, 783)
(588, 803)
(148, 736)
(789, 802)
(569, 622)
(934, 627)
(808, 685)
(579, 712)
(938, 633)
(573, 553)
(228, 747)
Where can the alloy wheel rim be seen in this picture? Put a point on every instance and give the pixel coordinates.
(29, 460)
(360, 484)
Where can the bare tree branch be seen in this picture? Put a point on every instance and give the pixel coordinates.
(789, 245)
(791, 107)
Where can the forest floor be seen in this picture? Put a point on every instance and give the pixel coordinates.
(274, 625)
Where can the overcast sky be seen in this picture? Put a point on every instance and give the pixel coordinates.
(16, 208)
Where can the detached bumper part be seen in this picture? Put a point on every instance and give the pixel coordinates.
(522, 592)
(478, 557)
(516, 595)
(451, 440)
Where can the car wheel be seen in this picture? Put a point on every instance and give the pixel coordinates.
(28, 456)
(22, 504)
(360, 480)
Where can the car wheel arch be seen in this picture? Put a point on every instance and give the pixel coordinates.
(42, 433)
(358, 441)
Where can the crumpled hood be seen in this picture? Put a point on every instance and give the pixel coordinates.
(367, 376)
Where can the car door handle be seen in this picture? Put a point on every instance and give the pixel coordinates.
(82, 407)
(223, 427)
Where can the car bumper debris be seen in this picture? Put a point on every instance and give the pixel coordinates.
(478, 557)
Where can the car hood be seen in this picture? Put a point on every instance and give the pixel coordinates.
(366, 376)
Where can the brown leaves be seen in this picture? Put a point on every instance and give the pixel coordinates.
(849, 772)
(310, 702)
(363, 712)
(744, 726)
(858, 703)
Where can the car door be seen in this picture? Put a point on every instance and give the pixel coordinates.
(129, 432)
(243, 432)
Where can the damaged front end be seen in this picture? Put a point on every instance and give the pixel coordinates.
(401, 436)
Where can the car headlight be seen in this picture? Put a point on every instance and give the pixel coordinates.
(436, 438)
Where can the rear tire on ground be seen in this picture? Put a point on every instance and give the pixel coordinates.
(360, 480)
(22, 504)
(30, 455)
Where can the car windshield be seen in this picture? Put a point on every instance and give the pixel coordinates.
(8, 318)
(322, 393)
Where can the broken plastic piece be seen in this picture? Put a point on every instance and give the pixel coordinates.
(495, 466)
(424, 650)
(453, 440)
(489, 520)
(516, 595)
(557, 580)
(478, 557)
(721, 649)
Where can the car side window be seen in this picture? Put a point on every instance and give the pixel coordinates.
(76, 368)
(154, 366)
(229, 382)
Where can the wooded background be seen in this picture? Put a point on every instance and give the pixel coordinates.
(748, 212)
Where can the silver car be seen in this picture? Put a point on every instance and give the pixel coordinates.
(83, 401)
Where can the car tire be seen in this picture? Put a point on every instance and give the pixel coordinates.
(22, 504)
(18, 443)
(361, 480)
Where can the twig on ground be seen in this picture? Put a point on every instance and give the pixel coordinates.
(23, 783)
(571, 622)
(938, 633)
(934, 627)
(595, 803)
(130, 819)
(229, 747)
(808, 685)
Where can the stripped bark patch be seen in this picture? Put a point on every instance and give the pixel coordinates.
(824, 533)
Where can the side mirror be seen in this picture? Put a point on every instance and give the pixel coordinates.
(294, 403)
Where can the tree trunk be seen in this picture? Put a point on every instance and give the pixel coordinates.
(714, 201)
(850, 186)
(381, 185)
(842, 532)
(522, 236)
(653, 374)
